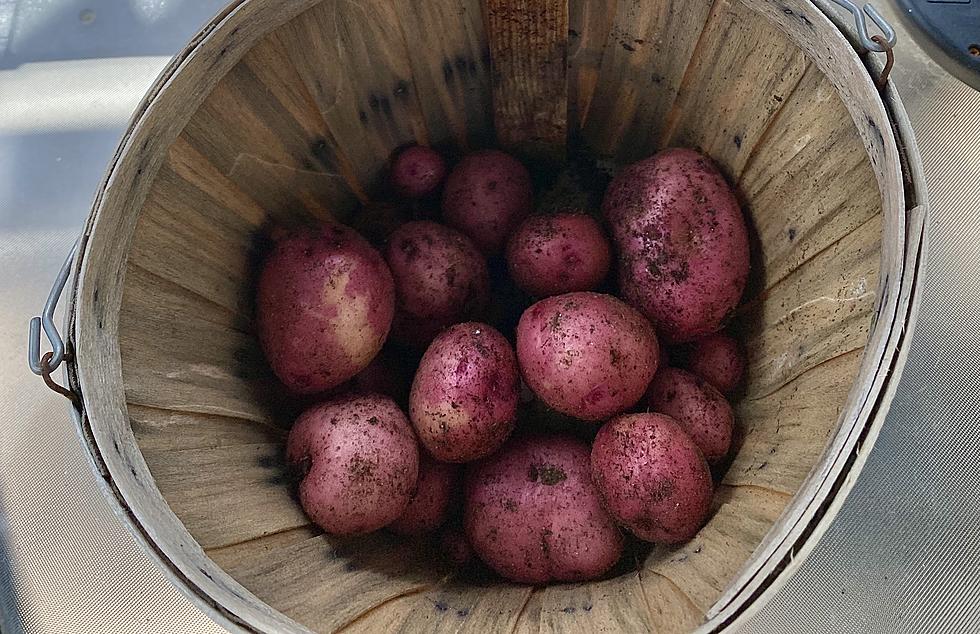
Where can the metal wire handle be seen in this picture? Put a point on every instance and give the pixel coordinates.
(50, 362)
(867, 40)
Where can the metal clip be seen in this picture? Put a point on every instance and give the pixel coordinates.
(44, 366)
(874, 43)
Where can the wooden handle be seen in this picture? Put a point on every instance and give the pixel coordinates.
(528, 49)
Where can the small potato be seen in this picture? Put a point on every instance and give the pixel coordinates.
(324, 306)
(487, 194)
(359, 462)
(464, 397)
(417, 171)
(652, 477)
(682, 242)
(699, 408)
(719, 360)
(440, 277)
(429, 506)
(533, 514)
(587, 355)
(555, 254)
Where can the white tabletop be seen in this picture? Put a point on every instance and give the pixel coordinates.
(902, 555)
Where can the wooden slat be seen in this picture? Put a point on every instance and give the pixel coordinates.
(353, 60)
(326, 583)
(821, 310)
(809, 181)
(243, 555)
(589, 23)
(742, 71)
(160, 430)
(671, 611)
(612, 605)
(450, 59)
(646, 53)
(785, 432)
(228, 494)
(528, 47)
(702, 568)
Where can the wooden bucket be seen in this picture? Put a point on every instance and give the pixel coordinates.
(281, 111)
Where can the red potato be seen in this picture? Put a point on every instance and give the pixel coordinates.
(417, 171)
(652, 477)
(719, 360)
(487, 194)
(555, 254)
(533, 514)
(440, 278)
(587, 355)
(324, 307)
(359, 460)
(699, 408)
(429, 506)
(464, 397)
(682, 242)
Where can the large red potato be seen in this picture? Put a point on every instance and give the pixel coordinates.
(486, 195)
(440, 278)
(533, 514)
(463, 402)
(587, 355)
(359, 462)
(652, 477)
(560, 253)
(324, 307)
(700, 409)
(682, 242)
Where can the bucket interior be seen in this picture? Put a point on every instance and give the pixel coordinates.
(300, 130)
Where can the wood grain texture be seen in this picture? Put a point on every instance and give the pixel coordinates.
(244, 554)
(741, 72)
(589, 23)
(528, 51)
(451, 65)
(647, 50)
(161, 430)
(611, 605)
(353, 59)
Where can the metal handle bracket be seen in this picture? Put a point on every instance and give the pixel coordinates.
(44, 366)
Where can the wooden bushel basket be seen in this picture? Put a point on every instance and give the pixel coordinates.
(286, 111)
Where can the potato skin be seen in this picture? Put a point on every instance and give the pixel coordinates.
(429, 506)
(555, 254)
(699, 408)
(486, 195)
(417, 171)
(587, 355)
(360, 462)
(533, 514)
(440, 276)
(463, 402)
(682, 242)
(652, 477)
(719, 360)
(324, 306)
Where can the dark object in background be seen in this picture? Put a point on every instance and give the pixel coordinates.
(949, 31)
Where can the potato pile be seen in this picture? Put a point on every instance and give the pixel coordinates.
(500, 378)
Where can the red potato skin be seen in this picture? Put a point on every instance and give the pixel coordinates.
(486, 195)
(719, 360)
(463, 402)
(682, 242)
(533, 514)
(587, 355)
(429, 506)
(360, 462)
(324, 304)
(699, 408)
(417, 171)
(441, 278)
(652, 477)
(555, 254)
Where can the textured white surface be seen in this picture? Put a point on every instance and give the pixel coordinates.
(902, 556)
